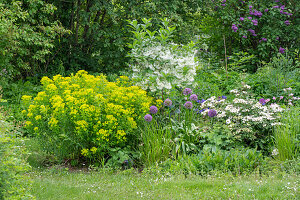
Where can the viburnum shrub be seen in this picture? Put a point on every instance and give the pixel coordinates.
(259, 27)
(158, 63)
(250, 121)
(84, 115)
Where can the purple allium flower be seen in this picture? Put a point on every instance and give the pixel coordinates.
(244, 36)
(148, 118)
(254, 35)
(250, 7)
(259, 14)
(262, 101)
(153, 109)
(212, 113)
(193, 97)
(224, 97)
(277, 38)
(281, 50)
(290, 14)
(187, 91)
(188, 105)
(242, 18)
(266, 10)
(264, 39)
(282, 7)
(287, 22)
(275, 6)
(168, 102)
(223, 4)
(249, 17)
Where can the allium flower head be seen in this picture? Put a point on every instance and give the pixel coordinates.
(262, 101)
(148, 118)
(194, 97)
(241, 18)
(266, 10)
(153, 109)
(264, 39)
(212, 113)
(187, 91)
(244, 36)
(188, 105)
(168, 102)
(234, 27)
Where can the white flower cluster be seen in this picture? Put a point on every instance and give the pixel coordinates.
(158, 66)
(243, 115)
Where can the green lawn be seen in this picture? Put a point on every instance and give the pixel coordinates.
(51, 184)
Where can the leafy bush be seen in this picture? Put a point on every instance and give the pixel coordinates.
(13, 183)
(85, 115)
(157, 63)
(258, 27)
(27, 36)
(249, 120)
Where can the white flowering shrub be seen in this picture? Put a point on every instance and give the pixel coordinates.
(158, 63)
(249, 120)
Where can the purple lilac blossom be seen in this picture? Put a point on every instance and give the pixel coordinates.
(188, 105)
(244, 36)
(193, 97)
(168, 102)
(223, 4)
(249, 17)
(254, 35)
(241, 18)
(282, 7)
(251, 31)
(148, 118)
(275, 6)
(234, 27)
(255, 22)
(264, 39)
(250, 7)
(281, 50)
(153, 109)
(266, 10)
(277, 38)
(187, 91)
(287, 22)
(212, 113)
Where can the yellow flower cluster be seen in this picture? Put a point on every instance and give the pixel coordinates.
(87, 108)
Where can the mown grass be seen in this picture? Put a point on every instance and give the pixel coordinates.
(53, 184)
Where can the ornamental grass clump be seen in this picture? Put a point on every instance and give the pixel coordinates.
(84, 115)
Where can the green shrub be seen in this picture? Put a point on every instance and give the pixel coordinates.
(13, 183)
(85, 115)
